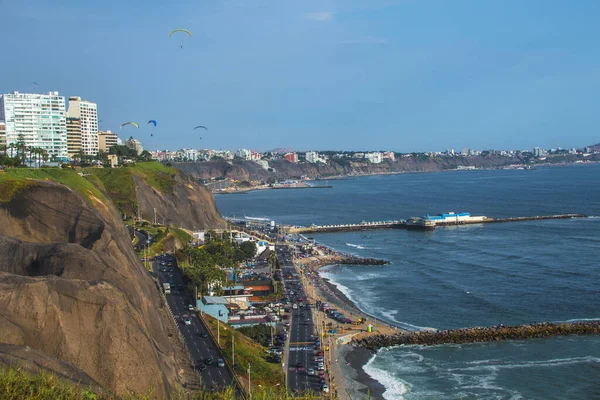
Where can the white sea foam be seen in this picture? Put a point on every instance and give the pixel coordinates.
(356, 246)
(394, 388)
(533, 364)
(580, 320)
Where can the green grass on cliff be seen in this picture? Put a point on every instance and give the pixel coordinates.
(249, 352)
(15, 384)
(163, 236)
(120, 186)
(16, 179)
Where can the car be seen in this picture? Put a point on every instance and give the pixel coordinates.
(321, 367)
(187, 321)
(286, 324)
(200, 366)
(208, 360)
(221, 363)
(320, 353)
(325, 388)
(310, 371)
(190, 307)
(204, 334)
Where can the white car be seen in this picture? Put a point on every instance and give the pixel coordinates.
(190, 307)
(325, 388)
(187, 321)
(311, 371)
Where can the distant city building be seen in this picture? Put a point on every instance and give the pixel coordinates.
(311, 156)
(244, 154)
(389, 155)
(538, 152)
(40, 119)
(255, 156)
(291, 157)
(106, 140)
(73, 136)
(190, 154)
(135, 145)
(2, 134)
(263, 163)
(374, 158)
(88, 116)
(450, 152)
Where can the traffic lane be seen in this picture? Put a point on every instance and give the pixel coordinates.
(200, 348)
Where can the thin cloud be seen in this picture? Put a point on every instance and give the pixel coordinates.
(322, 16)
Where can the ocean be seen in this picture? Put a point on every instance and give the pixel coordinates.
(511, 273)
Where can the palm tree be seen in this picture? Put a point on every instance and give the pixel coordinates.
(44, 155)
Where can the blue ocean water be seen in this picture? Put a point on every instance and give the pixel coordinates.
(472, 275)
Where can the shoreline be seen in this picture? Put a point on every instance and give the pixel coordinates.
(348, 369)
(350, 176)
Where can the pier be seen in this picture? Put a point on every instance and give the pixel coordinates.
(480, 334)
(422, 223)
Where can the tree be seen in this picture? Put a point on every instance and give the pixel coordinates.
(102, 157)
(145, 156)
(249, 249)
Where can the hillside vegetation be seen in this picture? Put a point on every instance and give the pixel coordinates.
(15, 179)
(120, 184)
(16, 384)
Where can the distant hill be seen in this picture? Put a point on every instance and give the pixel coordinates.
(595, 147)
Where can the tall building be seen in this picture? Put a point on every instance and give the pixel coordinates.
(291, 157)
(135, 145)
(2, 134)
(73, 136)
(39, 119)
(106, 140)
(244, 154)
(87, 113)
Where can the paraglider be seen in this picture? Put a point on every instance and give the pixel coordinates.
(180, 30)
(152, 122)
(130, 123)
(200, 126)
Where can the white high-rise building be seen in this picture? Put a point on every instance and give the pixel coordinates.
(244, 154)
(88, 117)
(40, 119)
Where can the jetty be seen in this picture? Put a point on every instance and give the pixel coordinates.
(479, 334)
(422, 223)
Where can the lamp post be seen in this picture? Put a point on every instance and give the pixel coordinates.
(249, 387)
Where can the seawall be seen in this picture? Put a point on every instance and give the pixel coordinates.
(480, 334)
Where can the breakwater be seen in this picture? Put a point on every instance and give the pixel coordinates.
(480, 334)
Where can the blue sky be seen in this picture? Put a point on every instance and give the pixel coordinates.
(348, 74)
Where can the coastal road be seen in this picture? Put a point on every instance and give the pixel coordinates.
(200, 348)
(301, 347)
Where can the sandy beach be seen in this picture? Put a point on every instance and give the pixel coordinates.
(351, 381)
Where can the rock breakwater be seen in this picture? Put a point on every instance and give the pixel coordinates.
(480, 334)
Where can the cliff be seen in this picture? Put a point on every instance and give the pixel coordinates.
(282, 169)
(146, 188)
(72, 288)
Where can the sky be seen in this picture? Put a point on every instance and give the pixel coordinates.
(401, 75)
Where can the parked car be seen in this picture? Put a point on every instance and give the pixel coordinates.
(325, 388)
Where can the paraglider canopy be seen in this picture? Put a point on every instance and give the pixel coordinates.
(180, 30)
(130, 123)
(200, 126)
(152, 122)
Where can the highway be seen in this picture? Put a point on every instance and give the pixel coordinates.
(301, 337)
(200, 348)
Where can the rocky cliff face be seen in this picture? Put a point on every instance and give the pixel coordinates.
(188, 205)
(71, 287)
(283, 169)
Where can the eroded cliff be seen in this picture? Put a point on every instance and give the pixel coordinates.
(72, 288)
